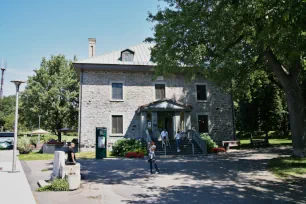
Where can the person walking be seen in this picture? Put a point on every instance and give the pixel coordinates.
(164, 136)
(178, 138)
(152, 159)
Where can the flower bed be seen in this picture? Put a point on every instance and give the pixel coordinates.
(134, 155)
(217, 150)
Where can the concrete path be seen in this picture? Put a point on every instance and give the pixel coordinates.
(235, 177)
(14, 187)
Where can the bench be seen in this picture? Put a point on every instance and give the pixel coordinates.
(232, 143)
(259, 142)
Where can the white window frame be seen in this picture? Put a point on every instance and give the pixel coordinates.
(111, 91)
(209, 123)
(154, 92)
(196, 95)
(111, 125)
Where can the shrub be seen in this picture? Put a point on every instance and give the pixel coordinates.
(56, 185)
(75, 141)
(47, 138)
(210, 143)
(122, 146)
(24, 145)
(33, 141)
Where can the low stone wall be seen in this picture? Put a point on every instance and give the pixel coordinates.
(51, 148)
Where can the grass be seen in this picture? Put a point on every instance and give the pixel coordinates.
(40, 156)
(35, 156)
(274, 142)
(288, 167)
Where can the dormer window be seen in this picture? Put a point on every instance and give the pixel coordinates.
(127, 55)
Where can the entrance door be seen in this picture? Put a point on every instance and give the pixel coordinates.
(169, 126)
(203, 123)
(165, 121)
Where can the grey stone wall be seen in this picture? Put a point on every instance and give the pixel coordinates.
(138, 90)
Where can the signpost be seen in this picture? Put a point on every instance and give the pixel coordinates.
(101, 142)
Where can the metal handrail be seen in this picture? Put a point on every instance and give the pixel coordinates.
(148, 138)
(192, 134)
(192, 145)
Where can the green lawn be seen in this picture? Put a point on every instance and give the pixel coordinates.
(35, 156)
(246, 142)
(284, 167)
(39, 156)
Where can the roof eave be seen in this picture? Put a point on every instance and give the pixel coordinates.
(111, 67)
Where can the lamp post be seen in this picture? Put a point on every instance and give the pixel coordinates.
(17, 84)
(38, 138)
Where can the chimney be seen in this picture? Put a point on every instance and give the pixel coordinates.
(91, 47)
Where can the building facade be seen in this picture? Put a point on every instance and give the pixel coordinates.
(119, 91)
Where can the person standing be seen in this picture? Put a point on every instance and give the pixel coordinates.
(178, 138)
(152, 159)
(164, 136)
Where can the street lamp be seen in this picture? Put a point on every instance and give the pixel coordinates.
(17, 84)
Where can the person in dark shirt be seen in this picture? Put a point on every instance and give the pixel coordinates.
(71, 156)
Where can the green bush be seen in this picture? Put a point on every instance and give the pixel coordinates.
(47, 138)
(33, 140)
(122, 146)
(24, 145)
(56, 185)
(210, 143)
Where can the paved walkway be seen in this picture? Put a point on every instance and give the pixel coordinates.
(236, 177)
(14, 187)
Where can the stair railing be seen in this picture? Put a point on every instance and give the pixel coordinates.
(192, 146)
(148, 139)
(192, 134)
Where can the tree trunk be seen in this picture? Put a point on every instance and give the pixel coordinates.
(267, 136)
(294, 97)
(296, 107)
(59, 136)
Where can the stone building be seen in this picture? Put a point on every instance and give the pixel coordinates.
(118, 92)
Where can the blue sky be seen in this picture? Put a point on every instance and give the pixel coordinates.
(30, 30)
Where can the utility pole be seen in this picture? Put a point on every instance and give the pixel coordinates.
(17, 84)
(39, 129)
(3, 68)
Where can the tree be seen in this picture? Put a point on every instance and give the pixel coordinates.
(52, 93)
(226, 40)
(7, 112)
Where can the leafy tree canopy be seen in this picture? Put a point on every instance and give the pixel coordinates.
(52, 93)
(228, 40)
(7, 108)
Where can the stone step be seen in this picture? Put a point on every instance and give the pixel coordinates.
(179, 153)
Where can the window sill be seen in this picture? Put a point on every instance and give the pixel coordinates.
(116, 100)
(116, 135)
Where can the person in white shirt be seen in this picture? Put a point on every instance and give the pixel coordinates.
(164, 135)
(177, 138)
(152, 158)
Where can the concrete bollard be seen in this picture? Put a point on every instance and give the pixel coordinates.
(58, 162)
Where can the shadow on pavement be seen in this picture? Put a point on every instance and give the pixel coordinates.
(238, 177)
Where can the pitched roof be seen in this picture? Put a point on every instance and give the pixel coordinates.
(142, 56)
(163, 105)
